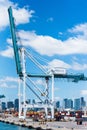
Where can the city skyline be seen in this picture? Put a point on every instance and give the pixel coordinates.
(66, 104)
(55, 35)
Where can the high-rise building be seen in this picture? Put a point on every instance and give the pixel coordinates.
(10, 104)
(3, 105)
(83, 103)
(70, 103)
(16, 104)
(67, 103)
(58, 104)
(77, 104)
(33, 101)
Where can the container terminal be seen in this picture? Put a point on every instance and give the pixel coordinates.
(36, 120)
(47, 119)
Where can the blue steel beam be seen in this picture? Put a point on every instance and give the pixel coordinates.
(74, 77)
(14, 40)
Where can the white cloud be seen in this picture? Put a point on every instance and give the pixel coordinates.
(83, 92)
(9, 41)
(79, 28)
(77, 66)
(42, 45)
(58, 63)
(47, 45)
(11, 79)
(8, 79)
(8, 82)
(57, 98)
(3, 13)
(7, 53)
(40, 82)
(22, 15)
(61, 64)
(5, 85)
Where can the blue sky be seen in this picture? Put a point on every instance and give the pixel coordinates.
(55, 30)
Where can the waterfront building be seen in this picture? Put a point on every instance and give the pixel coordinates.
(16, 104)
(58, 104)
(83, 103)
(10, 104)
(33, 101)
(70, 103)
(3, 106)
(67, 103)
(77, 104)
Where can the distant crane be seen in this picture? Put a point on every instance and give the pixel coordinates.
(19, 54)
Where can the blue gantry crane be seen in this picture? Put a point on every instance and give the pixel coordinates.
(19, 53)
(14, 40)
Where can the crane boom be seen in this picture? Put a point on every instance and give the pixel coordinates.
(14, 40)
(75, 78)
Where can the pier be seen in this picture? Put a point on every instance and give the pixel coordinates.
(41, 125)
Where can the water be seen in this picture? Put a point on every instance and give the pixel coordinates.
(4, 126)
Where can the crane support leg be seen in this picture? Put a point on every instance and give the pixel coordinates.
(19, 95)
(24, 95)
(52, 108)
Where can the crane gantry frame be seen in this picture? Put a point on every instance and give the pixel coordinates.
(19, 54)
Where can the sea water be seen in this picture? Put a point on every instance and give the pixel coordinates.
(5, 126)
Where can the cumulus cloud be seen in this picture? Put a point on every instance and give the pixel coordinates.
(4, 4)
(83, 92)
(8, 79)
(22, 15)
(58, 63)
(40, 82)
(8, 82)
(77, 66)
(5, 85)
(47, 45)
(9, 41)
(80, 29)
(7, 53)
(57, 98)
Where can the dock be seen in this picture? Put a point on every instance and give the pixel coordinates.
(48, 125)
